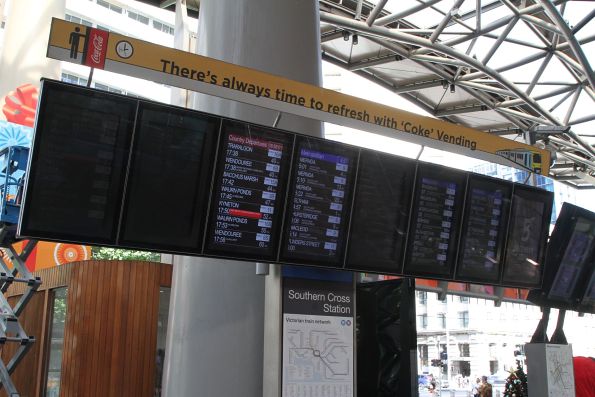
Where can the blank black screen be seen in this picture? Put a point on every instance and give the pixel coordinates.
(169, 178)
(78, 163)
(381, 212)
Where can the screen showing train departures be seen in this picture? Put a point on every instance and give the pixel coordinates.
(587, 303)
(249, 191)
(577, 255)
(437, 210)
(527, 236)
(380, 213)
(484, 228)
(319, 202)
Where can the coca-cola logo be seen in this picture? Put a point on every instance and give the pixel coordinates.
(97, 48)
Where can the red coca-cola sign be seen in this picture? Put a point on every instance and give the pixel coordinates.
(96, 48)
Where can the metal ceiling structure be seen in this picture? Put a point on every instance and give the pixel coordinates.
(515, 68)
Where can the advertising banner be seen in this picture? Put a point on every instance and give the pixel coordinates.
(121, 54)
(318, 326)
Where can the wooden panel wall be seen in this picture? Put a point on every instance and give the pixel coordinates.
(110, 334)
(111, 329)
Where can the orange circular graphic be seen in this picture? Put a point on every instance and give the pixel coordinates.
(65, 253)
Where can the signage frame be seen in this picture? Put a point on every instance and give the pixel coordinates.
(137, 58)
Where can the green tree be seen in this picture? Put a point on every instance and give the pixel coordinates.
(115, 254)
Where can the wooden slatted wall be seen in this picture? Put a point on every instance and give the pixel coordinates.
(110, 333)
(111, 330)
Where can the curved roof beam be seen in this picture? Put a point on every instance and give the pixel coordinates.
(555, 16)
(444, 49)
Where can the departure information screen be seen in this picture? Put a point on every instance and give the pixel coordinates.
(249, 190)
(380, 214)
(108, 169)
(486, 216)
(436, 217)
(77, 172)
(170, 169)
(528, 230)
(588, 302)
(577, 255)
(319, 201)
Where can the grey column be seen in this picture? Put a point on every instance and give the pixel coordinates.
(217, 311)
(23, 59)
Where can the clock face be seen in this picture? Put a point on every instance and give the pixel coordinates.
(124, 49)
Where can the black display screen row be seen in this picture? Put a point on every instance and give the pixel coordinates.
(111, 170)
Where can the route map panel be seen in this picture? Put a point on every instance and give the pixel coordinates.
(437, 211)
(249, 190)
(318, 344)
(319, 201)
(484, 229)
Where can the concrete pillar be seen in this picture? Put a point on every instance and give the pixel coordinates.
(26, 35)
(215, 337)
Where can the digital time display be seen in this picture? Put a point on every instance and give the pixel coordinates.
(319, 202)
(249, 190)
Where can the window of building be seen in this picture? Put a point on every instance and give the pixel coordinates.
(464, 350)
(138, 17)
(464, 319)
(107, 88)
(2, 24)
(423, 355)
(59, 309)
(109, 6)
(423, 321)
(74, 19)
(163, 27)
(464, 299)
(519, 350)
(422, 297)
(72, 79)
(162, 318)
(442, 320)
(492, 349)
(493, 366)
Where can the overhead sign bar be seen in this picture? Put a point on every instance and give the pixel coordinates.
(121, 54)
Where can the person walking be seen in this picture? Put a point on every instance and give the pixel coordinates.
(476, 387)
(485, 390)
